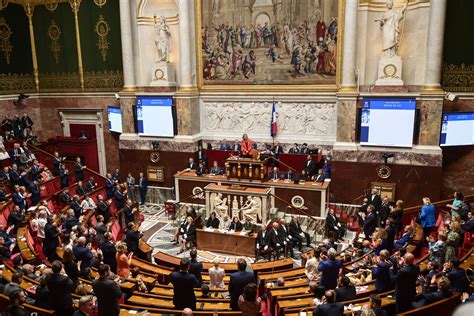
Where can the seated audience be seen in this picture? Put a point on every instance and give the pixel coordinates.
(329, 306)
(263, 243)
(405, 239)
(345, 290)
(215, 170)
(213, 221)
(456, 275)
(17, 299)
(225, 223)
(236, 225)
(191, 165)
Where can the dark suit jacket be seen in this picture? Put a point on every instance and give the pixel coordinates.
(132, 239)
(144, 184)
(272, 175)
(80, 190)
(84, 255)
(405, 283)
(294, 150)
(183, 290)
(59, 286)
(109, 187)
(333, 309)
(237, 227)
(63, 178)
(238, 280)
(108, 294)
(459, 281)
(381, 274)
(332, 221)
(195, 268)
(35, 193)
(329, 272)
(345, 293)
(119, 200)
(370, 223)
(384, 212)
(277, 150)
(294, 228)
(309, 169)
(376, 201)
(19, 200)
(90, 186)
(35, 172)
(50, 237)
(108, 255)
(15, 219)
(127, 211)
(192, 166)
(263, 241)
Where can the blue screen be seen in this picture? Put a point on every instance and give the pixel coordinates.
(457, 129)
(115, 119)
(155, 116)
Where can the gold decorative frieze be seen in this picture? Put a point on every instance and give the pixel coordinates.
(102, 30)
(54, 33)
(459, 78)
(100, 3)
(64, 81)
(3, 4)
(16, 83)
(103, 80)
(5, 34)
(51, 6)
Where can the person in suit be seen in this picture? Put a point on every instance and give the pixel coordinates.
(91, 185)
(103, 208)
(263, 243)
(15, 219)
(374, 199)
(381, 271)
(142, 187)
(456, 275)
(320, 177)
(189, 233)
(375, 303)
(183, 286)
(427, 217)
(60, 286)
(132, 238)
(57, 161)
(329, 307)
(215, 170)
(329, 267)
(405, 283)
(274, 174)
(36, 170)
(109, 252)
(195, 267)
(79, 169)
(82, 252)
(107, 292)
(109, 186)
(50, 241)
(17, 299)
(80, 190)
(304, 149)
(238, 280)
(216, 275)
(370, 222)
(116, 176)
(213, 221)
(19, 198)
(76, 205)
(384, 212)
(275, 152)
(128, 212)
(295, 149)
(236, 225)
(334, 227)
(201, 170)
(235, 147)
(289, 175)
(406, 237)
(119, 197)
(3, 196)
(15, 153)
(345, 291)
(86, 306)
(15, 176)
(5, 174)
(427, 297)
(191, 165)
(276, 239)
(201, 155)
(309, 167)
(35, 192)
(63, 176)
(288, 241)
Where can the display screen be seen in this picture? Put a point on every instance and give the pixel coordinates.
(155, 116)
(387, 122)
(457, 129)
(115, 119)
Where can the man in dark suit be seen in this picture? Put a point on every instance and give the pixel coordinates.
(381, 272)
(263, 244)
(201, 170)
(374, 199)
(456, 275)
(50, 241)
(183, 287)
(15, 219)
(116, 176)
(19, 198)
(384, 212)
(236, 146)
(76, 205)
(370, 222)
(5, 174)
(274, 174)
(297, 233)
(60, 290)
(57, 160)
(35, 192)
(80, 190)
(82, 252)
(119, 198)
(429, 297)
(35, 171)
(107, 292)
(295, 149)
(309, 166)
(201, 155)
(238, 280)
(346, 291)
(405, 283)
(109, 251)
(103, 208)
(329, 307)
(275, 153)
(142, 187)
(109, 186)
(15, 177)
(320, 177)
(191, 165)
(276, 239)
(128, 212)
(289, 176)
(333, 225)
(15, 153)
(91, 185)
(304, 149)
(195, 267)
(329, 267)
(288, 241)
(63, 176)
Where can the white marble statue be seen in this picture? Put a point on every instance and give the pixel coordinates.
(252, 209)
(162, 40)
(220, 206)
(390, 25)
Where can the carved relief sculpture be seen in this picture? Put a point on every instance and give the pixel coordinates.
(54, 33)
(220, 206)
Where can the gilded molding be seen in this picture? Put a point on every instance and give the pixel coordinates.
(5, 34)
(54, 33)
(102, 30)
(103, 80)
(3, 4)
(15, 83)
(51, 6)
(59, 81)
(100, 3)
(459, 78)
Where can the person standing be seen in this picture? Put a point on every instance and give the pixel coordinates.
(237, 283)
(142, 187)
(427, 217)
(246, 146)
(195, 267)
(183, 287)
(405, 283)
(79, 169)
(130, 186)
(329, 267)
(107, 292)
(86, 306)
(216, 275)
(60, 286)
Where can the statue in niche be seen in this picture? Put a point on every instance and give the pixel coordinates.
(252, 209)
(390, 25)
(220, 206)
(162, 40)
(235, 204)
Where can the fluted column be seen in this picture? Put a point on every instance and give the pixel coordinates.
(434, 51)
(349, 46)
(127, 46)
(185, 45)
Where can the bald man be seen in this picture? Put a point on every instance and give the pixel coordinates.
(187, 312)
(405, 283)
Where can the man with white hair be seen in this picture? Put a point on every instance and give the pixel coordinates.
(329, 267)
(86, 306)
(83, 252)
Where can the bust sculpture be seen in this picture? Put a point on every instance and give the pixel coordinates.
(162, 40)
(390, 25)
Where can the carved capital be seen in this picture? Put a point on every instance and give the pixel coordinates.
(75, 4)
(29, 9)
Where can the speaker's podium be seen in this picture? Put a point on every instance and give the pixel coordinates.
(246, 169)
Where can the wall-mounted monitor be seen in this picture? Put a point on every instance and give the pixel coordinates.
(114, 114)
(387, 122)
(457, 129)
(156, 116)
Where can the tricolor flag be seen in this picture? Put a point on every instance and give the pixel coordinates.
(273, 125)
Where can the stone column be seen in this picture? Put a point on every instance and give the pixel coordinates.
(434, 51)
(349, 46)
(127, 45)
(185, 45)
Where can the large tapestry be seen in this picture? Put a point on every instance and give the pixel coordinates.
(268, 42)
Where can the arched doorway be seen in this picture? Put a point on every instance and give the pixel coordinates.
(262, 18)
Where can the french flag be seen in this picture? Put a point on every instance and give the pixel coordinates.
(273, 125)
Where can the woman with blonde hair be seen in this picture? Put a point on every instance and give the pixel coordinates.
(381, 241)
(216, 275)
(453, 239)
(123, 261)
(427, 216)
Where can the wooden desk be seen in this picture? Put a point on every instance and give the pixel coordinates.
(246, 169)
(231, 243)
